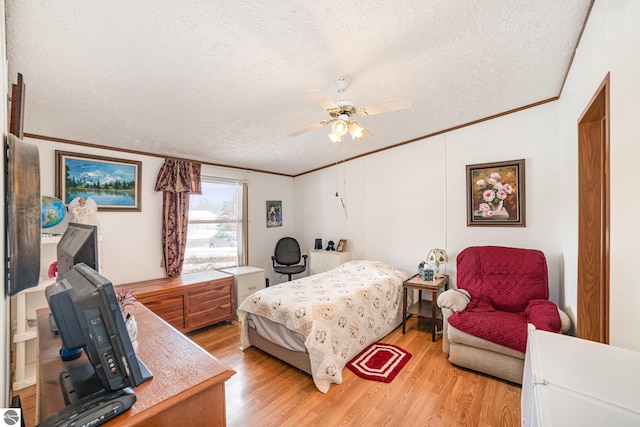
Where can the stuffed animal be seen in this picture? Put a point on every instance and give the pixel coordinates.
(84, 211)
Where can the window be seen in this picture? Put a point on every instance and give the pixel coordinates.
(216, 235)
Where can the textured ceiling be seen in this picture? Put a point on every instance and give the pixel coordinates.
(223, 81)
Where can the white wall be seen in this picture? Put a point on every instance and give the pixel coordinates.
(610, 43)
(404, 201)
(131, 242)
(399, 205)
(262, 240)
(130, 245)
(393, 205)
(531, 135)
(624, 39)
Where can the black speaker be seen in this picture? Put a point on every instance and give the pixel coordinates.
(318, 244)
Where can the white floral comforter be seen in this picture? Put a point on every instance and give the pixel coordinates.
(340, 312)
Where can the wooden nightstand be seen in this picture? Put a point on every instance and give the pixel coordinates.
(422, 308)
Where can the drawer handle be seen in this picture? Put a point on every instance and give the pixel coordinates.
(252, 288)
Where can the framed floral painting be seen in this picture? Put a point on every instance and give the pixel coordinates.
(495, 194)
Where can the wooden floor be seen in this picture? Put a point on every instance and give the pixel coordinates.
(429, 391)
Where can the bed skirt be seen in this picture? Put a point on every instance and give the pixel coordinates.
(297, 359)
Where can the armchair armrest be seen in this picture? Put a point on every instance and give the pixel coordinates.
(455, 300)
(451, 301)
(565, 320)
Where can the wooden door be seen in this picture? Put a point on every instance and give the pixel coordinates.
(593, 224)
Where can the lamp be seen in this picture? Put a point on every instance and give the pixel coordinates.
(343, 125)
(334, 138)
(356, 130)
(340, 127)
(438, 257)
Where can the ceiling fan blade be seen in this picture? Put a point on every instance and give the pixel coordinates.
(308, 128)
(365, 134)
(318, 97)
(384, 107)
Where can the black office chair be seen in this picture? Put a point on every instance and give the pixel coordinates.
(287, 257)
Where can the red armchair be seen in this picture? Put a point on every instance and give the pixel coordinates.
(499, 291)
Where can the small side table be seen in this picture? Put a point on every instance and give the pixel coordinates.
(422, 308)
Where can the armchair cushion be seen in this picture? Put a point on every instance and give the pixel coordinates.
(508, 329)
(500, 327)
(508, 278)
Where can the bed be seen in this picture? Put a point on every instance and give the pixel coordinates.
(319, 323)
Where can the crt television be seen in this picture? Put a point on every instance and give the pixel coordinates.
(87, 315)
(78, 244)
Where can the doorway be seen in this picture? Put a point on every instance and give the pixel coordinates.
(592, 321)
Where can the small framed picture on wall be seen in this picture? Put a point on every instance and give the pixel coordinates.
(274, 213)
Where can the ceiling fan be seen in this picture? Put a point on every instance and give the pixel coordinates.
(342, 113)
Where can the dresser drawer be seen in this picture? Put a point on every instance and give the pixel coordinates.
(190, 301)
(210, 303)
(249, 283)
(169, 306)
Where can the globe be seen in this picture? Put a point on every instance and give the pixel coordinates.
(53, 211)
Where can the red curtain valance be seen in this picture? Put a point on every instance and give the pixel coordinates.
(177, 176)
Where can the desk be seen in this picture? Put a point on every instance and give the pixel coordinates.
(422, 308)
(187, 386)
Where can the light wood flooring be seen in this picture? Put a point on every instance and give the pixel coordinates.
(429, 391)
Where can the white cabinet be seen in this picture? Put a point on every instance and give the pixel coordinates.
(321, 260)
(24, 306)
(248, 281)
(569, 381)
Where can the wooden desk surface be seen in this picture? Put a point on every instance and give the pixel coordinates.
(187, 386)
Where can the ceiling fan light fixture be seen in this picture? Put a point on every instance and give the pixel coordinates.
(340, 127)
(334, 137)
(356, 130)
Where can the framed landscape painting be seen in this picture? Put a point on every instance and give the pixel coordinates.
(495, 194)
(114, 184)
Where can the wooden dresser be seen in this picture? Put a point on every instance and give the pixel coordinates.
(189, 301)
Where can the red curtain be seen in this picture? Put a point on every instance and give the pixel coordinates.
(177, 179)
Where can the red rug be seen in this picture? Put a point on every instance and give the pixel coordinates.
(379, 362)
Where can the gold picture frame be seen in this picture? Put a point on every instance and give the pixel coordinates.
(114, 184)
(496, 194)
(341, 244)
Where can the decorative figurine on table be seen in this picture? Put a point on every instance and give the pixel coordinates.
(330, 246)
(84, 211)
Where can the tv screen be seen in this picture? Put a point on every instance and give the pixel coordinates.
(86, 312)
(23, 210)
(78, 244)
